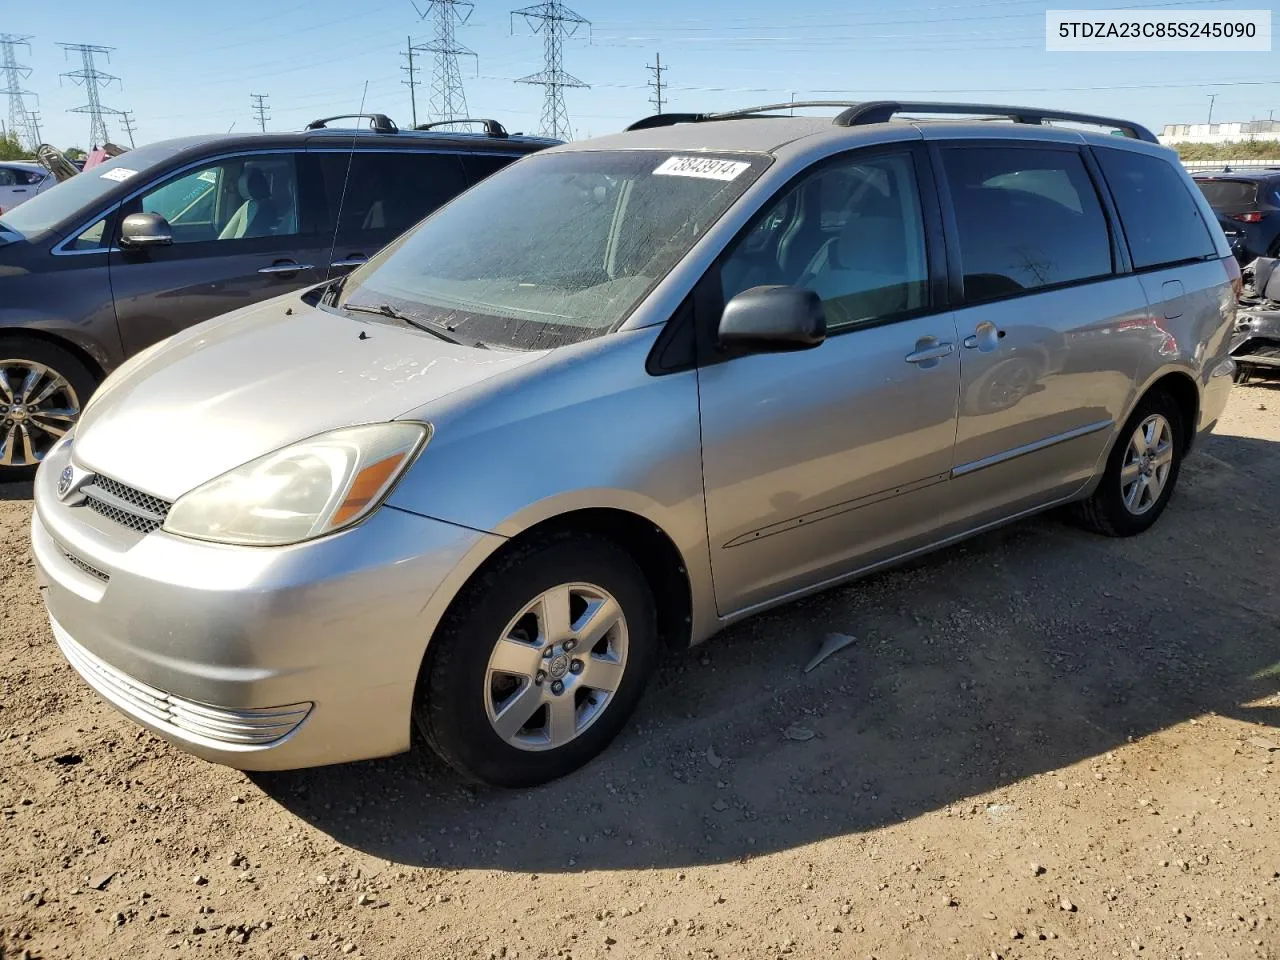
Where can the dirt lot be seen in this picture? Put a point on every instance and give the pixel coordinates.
(1042, 744)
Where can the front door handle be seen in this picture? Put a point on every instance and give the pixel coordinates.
(929, 350)
(284, 266)
(355, 260)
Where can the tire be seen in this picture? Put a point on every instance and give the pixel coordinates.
(1106, 511)
(461, 696)
(19, 357)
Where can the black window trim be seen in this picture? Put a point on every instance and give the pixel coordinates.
(707, 296)
(1119, 251)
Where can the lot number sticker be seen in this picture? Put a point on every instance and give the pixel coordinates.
(706, 168)
(119, 174)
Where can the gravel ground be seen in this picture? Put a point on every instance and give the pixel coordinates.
(1041, 744)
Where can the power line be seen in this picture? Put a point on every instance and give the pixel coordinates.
(126, 120)
(448, 99)
(14, 74)
(656, 83)
(259, 107)
(554, 21)
(92, 79)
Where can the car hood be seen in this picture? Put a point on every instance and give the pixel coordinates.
(230, 390)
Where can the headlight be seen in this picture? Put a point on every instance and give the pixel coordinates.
(302, 491)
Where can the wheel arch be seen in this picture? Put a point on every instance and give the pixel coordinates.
(94, 361)
(1182, 388)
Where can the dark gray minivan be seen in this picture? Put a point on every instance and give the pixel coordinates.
(173, 233)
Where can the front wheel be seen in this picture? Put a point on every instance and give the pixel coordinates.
(42, 389)
(539, 662)
(1141, 471)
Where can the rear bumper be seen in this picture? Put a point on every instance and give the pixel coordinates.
(258, 658)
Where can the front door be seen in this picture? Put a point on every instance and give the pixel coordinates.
(819, 462)
(1051, 333)
(240, 235)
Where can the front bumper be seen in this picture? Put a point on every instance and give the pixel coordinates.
(258, 658)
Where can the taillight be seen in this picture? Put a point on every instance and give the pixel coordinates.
(1233, 271)
(1253, 216)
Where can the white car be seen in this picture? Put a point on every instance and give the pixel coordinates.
(20, 180)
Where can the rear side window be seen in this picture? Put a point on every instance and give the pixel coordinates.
(1229, 194)
(481, 165)
(1026, 219)
(1161, 219)
(386, 193)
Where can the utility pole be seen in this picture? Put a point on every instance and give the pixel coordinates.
(448, 99)
(33, 121)
(14, 74)
(93, 80)
(1212, 97)
(656, 83)
(413, 81)
(259, 107)
(126, 119)
(554, 21)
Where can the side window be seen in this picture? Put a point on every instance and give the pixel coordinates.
(91, 237)
(30, 177)
(1025, 219)
(8, 177)
(386, 193)
(852, 231)
(239, 198)
(1161, 219)
(480, 165)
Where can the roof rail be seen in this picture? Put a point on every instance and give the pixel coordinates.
(881, 111)
(492, 128)
(378, 122)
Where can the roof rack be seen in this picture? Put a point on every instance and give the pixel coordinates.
(378, 122)
(492, 128)
(857, 114)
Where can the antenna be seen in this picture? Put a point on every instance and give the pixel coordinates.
(554, 21)
(126, 120)
(346, 178)
(656, 83)
(92, 79)
(448, 98)
(259, 108)
(14, 74)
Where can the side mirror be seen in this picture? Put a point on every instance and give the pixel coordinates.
(145, 230)
(773, 319)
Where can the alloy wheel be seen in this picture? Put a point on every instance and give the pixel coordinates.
(38, 405)
(1147, 463)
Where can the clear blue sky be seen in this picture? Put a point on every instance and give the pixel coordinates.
(188, 68)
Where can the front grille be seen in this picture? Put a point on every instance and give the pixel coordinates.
(124, 505)
(181, 718)
(88, 568)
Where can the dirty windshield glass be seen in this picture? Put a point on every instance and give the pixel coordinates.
(556, 248)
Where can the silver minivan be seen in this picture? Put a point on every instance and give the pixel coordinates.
(621, 394)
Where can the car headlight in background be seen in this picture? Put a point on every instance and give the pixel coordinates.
(304, 490)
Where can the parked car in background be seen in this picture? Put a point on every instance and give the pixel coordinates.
(20, 181)
(173, 233)
(1247, 204)
(616, 397)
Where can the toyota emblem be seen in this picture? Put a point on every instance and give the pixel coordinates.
(65, 480)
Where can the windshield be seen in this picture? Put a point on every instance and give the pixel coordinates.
(556, 248)
(76, 197)
(1229, 194)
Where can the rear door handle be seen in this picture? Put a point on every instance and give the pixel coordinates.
(19, 189)
(929, 351)
(985, 337)
(355, 260)
(284, 266)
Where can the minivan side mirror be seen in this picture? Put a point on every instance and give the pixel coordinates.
(773, 319)
(145, 230)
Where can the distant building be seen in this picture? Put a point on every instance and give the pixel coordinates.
(1234, 132)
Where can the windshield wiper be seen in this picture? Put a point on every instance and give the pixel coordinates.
(386, 310)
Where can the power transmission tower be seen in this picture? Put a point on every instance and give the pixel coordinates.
(126, 119)
(92, 79)
(413, 80)
(14, 74)
(33, 118)
(448, 98)
(260, 109)
(657, 69)
(554, 21)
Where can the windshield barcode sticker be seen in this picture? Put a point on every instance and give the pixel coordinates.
(708, 168)
(119, 174)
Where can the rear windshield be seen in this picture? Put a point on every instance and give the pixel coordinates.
(79, 196)
(556, 248)
(1229, 194)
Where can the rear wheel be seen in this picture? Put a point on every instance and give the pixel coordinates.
(1141, 471)
(539, 662)
(42, 390)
